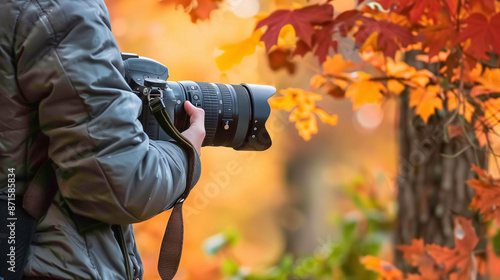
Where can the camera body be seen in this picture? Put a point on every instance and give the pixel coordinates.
(235, 115)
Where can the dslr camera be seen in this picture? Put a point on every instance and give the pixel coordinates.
(235, 115)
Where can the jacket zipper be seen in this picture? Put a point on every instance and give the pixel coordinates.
(121, 241)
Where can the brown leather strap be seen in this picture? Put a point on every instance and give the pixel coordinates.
(171, 246)
(41, 191)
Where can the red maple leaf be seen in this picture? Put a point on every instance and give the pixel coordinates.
(483, 33)
(391, 37)
(321, 43)
(458, 261)
(345, 21)
(428, 7)
(414, 9)
(440, 35)
(303, 21)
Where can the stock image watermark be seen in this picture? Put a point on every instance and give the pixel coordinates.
(11, 219)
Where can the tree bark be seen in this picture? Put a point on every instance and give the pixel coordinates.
(431, 187)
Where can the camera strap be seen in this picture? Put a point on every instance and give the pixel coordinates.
(171, 246)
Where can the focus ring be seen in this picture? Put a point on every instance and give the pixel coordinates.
(211, 107)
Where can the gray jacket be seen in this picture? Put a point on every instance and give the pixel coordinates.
(63, 97)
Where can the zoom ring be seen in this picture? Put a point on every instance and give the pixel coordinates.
(227, 102)
(211, 108)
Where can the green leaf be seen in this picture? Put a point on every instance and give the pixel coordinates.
(230, 267)
(496, 243)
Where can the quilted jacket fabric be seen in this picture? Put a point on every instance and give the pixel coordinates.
(63, 97)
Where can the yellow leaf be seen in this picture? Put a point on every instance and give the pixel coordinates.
(336, 65)
(325, 117)
(492, 111)
(385, 269)
(234, 53)
(400, 69)
(364, 92)
(304, 108)
(306, 127)
(376, 58)
(371, 43)
(426, 100)
(287, 37)
(317, 81)
(465, 110)
(490, 80)
(395, 86)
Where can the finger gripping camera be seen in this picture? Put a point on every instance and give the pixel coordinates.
(235, 115)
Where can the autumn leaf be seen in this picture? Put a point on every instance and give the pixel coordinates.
(303, 21)
(317, 81)
(363, 91)
(464, 107)
(414, 252)
(482, 33)
(322, 42)
(336, 67)
(441, 34)
(460, 261)
(488, 121)
(198, 9)
(280, 58)
(304, 111)
(428, 7)
(455, 131)
(347, 20)
(391, 37)
(386, 270)
(486, 7)
(416, 255)
(426, 101)
(487, 197)
(490, 82)
(234, 53)
(404, 74)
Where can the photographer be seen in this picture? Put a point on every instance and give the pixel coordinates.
(64, 98)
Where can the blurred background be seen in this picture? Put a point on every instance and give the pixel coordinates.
(298, 198)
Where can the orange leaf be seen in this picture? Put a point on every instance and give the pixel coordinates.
(199, 9)
(363, 91)
(386, 270)
(426, 100)
(303, 106)
(234, 53)
(317, 81)
(336, 65)
(459, 261)
(395, 86)
(465, 110)
(487, 197)
(490, 80)
(415, 255)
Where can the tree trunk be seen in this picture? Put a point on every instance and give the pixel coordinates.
(431, 187)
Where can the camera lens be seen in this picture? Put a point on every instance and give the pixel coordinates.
(235, 115)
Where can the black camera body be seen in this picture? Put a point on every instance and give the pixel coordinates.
(235, 115)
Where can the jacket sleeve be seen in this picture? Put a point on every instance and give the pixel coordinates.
(69, 65)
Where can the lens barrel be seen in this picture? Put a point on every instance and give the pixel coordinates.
(235, 115)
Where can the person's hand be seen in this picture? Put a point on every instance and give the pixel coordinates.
(196, 131)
